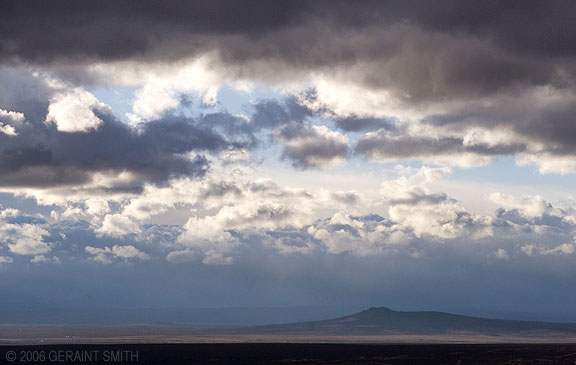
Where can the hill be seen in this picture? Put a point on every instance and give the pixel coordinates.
(376, 321)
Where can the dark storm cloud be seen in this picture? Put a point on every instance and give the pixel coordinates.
(310, 147)
(418, 51)
(40, 155)
(355, 124)
(113, 29)
(235, 128)
(424, 49)
(270, 113)
(550, 124)
(384, 146)
(555, 128)
(154, 154)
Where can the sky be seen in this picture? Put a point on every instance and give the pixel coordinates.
(410, 154)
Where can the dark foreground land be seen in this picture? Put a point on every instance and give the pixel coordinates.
(291, 353)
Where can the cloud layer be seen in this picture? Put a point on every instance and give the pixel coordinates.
(326, 145)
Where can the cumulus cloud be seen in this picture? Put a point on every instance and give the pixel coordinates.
(563, 249)
(548, 164)
(97, 206)
(7, 130)
(527, 206)
(23, 235)
(210, 257)
(41, 259)
(226, 219)
(360, 236)
(162, 93)
(214, 236)
(501, 254)
(6, 260)
(560, 250)
(7, 121)
(107, 255)
(117, 225)
(74, 111)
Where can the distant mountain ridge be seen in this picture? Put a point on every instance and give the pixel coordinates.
(383, 320)
(203, 317)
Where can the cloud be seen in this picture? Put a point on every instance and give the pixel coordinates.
(97, 206)
(127, 123)
(563, 249)
(41, 259)
(361, 236)
(425, 213)
(312, 146)
(89, 146)
(382, 146)
(183, 256)
(355, 124)
(73, 111)
(210, 257)
(6, 260)
(372, 66)
(163, 91)
(215, 236)
(116, 225)
(270, 113)
(108, 255)
(527, 206)
(182, 30)
(501, 254)
(560, 250)
(7, 121)
(549, 164)
(23, 238)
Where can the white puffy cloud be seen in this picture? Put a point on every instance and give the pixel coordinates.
(74, 111)
(212, 234)
(549, 164)
(117, 225)
(69, 212)
(8, 130)
(223, 215)
(501, 254)
(6, 260)
(357, 235)
(7, 121)
(41, 259)
(97, 206)
(563, 249)
(527, 206)
(160, 85)
(181, 256)
(108, 255)
(212, 257)
(24, 239)
(559, 250)
(426, 213)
